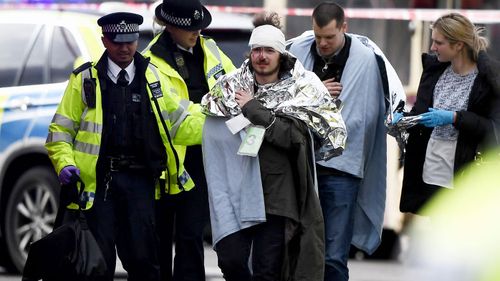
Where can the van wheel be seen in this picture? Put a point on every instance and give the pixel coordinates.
(30, 213)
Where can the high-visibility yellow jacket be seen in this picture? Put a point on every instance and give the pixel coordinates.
(214, 62)
(76, 130)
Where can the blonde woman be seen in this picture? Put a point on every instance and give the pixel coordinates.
(458, 102)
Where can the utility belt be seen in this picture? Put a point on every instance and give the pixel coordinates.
(122, 163)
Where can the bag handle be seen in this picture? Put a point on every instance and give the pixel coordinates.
(75, 179)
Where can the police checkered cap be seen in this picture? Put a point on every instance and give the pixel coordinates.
(183, 22)
(184, 14)
(121, 27)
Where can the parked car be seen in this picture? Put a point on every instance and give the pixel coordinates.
(39, 50)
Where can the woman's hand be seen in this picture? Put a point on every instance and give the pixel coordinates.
(437, 117)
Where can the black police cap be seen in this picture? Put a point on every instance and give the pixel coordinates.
(184, 14)
(121, 27)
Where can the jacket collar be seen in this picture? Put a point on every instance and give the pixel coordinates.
(141, 63)
(340, 58)
(164, 47)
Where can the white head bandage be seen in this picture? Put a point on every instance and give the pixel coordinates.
(267, 36)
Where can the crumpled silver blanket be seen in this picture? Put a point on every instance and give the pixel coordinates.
(301, 95)
(399, 129)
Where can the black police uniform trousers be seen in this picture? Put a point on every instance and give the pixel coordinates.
(184, 215)
(124, 216)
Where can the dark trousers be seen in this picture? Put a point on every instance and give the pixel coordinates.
(266, 243)
(126, 219)
(186, 214)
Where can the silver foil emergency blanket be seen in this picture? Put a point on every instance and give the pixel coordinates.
(299, 94)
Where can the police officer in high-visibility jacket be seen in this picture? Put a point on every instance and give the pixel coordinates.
(115, 128)
(193, 63)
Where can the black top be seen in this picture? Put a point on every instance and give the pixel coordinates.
(334, 67)
(196, 82)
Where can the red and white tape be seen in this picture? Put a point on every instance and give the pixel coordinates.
(477, 16)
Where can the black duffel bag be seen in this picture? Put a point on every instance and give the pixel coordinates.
(69, 252)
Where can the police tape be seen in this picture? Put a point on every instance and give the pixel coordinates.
(477, 16)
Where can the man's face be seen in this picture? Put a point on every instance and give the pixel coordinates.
(120, 53)
(186, 39)
(265, 62)
(329, 38)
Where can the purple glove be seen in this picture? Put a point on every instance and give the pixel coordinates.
(66, 174)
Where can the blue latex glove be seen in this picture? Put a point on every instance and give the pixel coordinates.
(396, 117)
(436, 117)
(65, 176)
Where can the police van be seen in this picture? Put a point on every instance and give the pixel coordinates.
(39, 50)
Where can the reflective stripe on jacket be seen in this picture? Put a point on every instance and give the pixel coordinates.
(76, 130)
(214, 61)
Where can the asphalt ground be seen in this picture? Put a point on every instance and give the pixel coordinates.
(360, 270)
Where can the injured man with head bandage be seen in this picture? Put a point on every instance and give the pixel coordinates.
(266, 122)
(287, 89)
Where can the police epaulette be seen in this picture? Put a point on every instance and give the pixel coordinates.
(82, 67)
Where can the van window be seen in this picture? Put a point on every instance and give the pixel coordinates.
(12, 51)
(62, 55)
(33, 72)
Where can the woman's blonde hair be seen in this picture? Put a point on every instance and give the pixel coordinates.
(158, 25)
(458, 28)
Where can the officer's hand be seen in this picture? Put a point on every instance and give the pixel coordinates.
(436, 117)
(66, 174)
(334, 88)
(242, 98)
(68, 177)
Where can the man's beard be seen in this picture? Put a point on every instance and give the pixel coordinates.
(266, 72)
